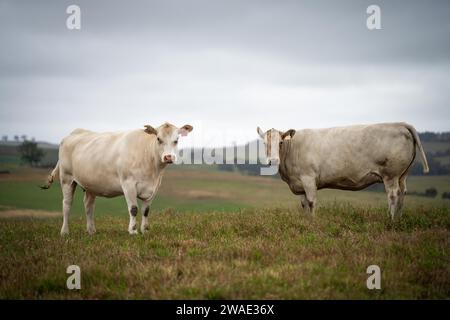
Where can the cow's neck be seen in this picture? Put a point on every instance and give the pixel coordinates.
(282, 169)
(153, 163)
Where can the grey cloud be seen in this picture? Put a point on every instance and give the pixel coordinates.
(228, 64)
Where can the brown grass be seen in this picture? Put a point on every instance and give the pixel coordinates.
(263, 254)
(8, 213)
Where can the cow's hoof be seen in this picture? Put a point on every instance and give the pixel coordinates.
(91, 231)
(144, 229)
(133, 232)
(64, 233)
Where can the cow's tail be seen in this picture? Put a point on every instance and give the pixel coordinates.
(417, 143)
(51, 177)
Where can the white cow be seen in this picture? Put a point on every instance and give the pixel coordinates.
(347, 158)
(111, 164)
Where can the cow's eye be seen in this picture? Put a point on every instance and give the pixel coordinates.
(175, 142)
(281, 142)
(159, 140)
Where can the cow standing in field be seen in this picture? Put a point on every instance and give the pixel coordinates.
(346, 158)
(111, 164)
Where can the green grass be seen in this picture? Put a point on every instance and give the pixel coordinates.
(420, 183)
(248, 254)
(436, 146)
(223, 235)
(9, 159)
(27, 195)
(445, 160)
(202, 190)
(10, 155)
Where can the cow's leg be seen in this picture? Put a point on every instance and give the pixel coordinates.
(130, 194)
(403, 190)
(393, 193)
(309, 185)
(145, 209)
(89, 203)
(68, 189)
(304, 203)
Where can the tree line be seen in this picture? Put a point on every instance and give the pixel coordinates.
(32, 155)
(436, 167)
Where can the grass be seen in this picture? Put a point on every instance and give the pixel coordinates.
(220, 235)
(10, 155)
(191, 189)
(27, 195)
(420, 183)
(445, 160)
(247, 254)
(436, 146)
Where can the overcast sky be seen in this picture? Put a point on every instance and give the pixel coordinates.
(223, 66)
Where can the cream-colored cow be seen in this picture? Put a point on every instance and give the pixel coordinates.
(111, 164)
(347, 158)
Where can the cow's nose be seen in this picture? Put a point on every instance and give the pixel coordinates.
(273, 162)
(168, 158)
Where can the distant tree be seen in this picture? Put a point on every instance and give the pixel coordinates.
(5, 138)
(24, 137)
(30, 153)
(16, 138)
(431, 192)
(445, 136)
(434, 137)
(436, 168)
(441, 153)
(446, 195)
(428, 136)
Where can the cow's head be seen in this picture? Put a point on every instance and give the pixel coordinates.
(166, 137)
(273, 139)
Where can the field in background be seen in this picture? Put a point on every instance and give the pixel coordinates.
(216, 234)
(224, 235)
(202, 189)
(9, 153)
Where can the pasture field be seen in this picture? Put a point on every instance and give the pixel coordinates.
(220, 235)
(434, 146)
(201, 189)
(445, 160)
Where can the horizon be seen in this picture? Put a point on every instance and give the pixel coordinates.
(232, 144)
(223, 68)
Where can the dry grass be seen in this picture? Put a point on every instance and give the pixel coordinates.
(202, 243)
(255, 253)
(8, 213)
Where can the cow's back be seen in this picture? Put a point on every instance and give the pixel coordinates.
(353, 156)
(92, 158)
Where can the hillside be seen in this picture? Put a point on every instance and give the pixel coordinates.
(436, 145)
(224, 235)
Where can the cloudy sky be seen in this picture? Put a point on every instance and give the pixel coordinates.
(223, 66)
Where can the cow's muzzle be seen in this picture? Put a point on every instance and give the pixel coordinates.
(273, 162)
(168, 158)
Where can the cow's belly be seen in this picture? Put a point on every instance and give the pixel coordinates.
(351, 183)
(98, 176)
(99, 180)
(100, 188)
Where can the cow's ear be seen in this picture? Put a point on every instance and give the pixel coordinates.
(150, 130)
(184, 130)
(288, 134)
(260, 132)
